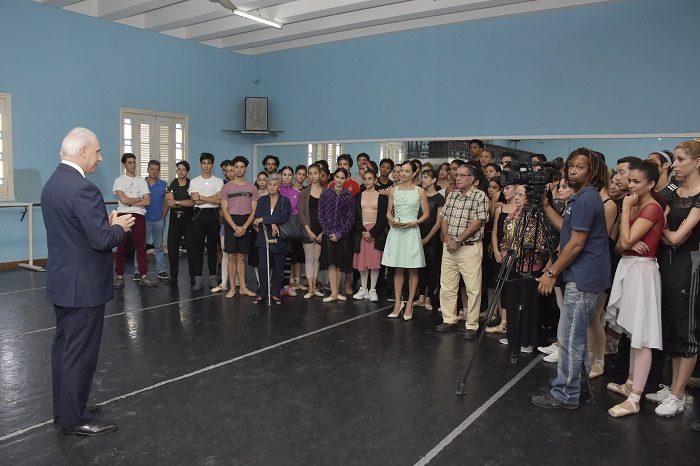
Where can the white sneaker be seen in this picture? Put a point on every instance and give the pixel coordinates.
(503, 341)
(553, 356)
(548, 349)
(361, 294)
(373, 296)
(659, 396)
(341, 297)
(670, 406)
(526, 349)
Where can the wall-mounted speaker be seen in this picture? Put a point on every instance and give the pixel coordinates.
(256, 114)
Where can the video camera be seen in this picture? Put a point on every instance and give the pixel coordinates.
(535, 181)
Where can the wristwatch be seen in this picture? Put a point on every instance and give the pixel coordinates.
(550, 274)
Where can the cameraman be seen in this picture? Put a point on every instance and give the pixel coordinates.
(584, 261)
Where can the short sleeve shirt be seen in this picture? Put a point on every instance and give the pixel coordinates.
(154, 211)
(206, 187)
(131, 186)
(461, 209)
(585, 213)
(240, 197)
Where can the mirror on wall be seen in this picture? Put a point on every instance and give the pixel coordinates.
(439, 150)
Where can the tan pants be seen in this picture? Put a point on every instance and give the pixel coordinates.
(465, 262)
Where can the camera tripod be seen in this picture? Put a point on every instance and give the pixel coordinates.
(520, 256)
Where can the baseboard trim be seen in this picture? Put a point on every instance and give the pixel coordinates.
(15, 264)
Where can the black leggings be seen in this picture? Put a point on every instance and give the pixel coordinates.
(180, 226)
(206, 228)
(429, 276)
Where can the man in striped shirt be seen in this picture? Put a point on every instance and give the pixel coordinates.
(465, 212)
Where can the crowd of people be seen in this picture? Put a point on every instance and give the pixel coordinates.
(609, 254)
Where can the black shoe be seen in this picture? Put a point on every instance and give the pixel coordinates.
(89, 429)
(470, 334)
(163, 276)
(695, 426)
(91, 409)
(447, 328)
(170, 281)
(547, 401)
(137, 277)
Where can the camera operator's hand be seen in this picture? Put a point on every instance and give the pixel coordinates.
(546, 285)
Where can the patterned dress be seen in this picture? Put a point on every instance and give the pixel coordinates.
(404, 247)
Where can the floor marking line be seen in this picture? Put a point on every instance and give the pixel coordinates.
(141, 309)
(205, 369)
(43, 287)
(476, 414)
(22, 291)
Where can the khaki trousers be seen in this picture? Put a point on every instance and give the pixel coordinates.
(465, 262)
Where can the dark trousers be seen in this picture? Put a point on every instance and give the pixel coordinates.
(429, 276)
(138, 235)
(76, 346)
(206, 227)
(180, 227)
(277, 267)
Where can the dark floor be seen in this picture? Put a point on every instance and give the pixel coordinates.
(303, 383)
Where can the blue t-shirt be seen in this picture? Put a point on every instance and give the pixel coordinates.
(591, 269)
(154, 211)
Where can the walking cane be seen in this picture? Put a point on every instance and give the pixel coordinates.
(268, 242)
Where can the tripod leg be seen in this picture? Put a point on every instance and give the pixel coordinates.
(515, 343)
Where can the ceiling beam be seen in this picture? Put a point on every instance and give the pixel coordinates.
(177, 16)
(521, 8)
(383, 14)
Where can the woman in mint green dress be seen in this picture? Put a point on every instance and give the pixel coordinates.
(404, 246)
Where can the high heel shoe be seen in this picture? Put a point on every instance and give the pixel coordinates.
(219, 289)
(396, 315)
(406, 316)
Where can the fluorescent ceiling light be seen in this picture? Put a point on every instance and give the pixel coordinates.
(268, 22)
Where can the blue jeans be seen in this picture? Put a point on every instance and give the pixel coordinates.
(577, 311)
(155, 230)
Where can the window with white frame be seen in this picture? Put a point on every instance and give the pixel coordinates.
(7, 191)
(154, 136)
(392, 150)
(327, 152)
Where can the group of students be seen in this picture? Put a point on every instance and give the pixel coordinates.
(387, 223)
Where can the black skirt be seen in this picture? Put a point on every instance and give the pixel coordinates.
(338, 253)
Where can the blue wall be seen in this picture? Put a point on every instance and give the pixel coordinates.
(620, 67)
(65, 70)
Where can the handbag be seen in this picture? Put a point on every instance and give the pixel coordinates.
(291, 229)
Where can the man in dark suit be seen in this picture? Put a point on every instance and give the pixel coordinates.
(80, 239)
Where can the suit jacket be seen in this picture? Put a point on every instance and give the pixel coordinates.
(80, 240)
(279, 215)
(378, 231)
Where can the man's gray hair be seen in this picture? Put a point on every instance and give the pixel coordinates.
(75, 140)
(274, 177)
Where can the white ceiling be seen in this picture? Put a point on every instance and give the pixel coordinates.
(306, 22)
